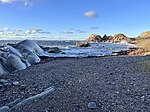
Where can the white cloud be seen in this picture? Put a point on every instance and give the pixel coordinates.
(91, 13)
(25, 2)
(32, 31)
(5, 29)
(6, 1)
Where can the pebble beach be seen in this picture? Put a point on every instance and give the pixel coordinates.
(100, 84)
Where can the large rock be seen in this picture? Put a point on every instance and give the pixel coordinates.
(94, 38)
(145, 34)
(83, 44)
(30, 46)
(53, 50)
(118, 38)
(19, 56)
(15, 63)
(12, 50)
(32, 58)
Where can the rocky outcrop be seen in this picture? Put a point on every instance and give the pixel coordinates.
(118, 38)
(107, 38)
(19, 56)
(145, 34)
(94, 38)
(83, 44)
(144, 48)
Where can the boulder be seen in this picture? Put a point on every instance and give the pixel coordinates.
(14, 63)
(30, 46)
(13, 50)
(83, 44)
(94, 38)
(53, 50)
(32, 58)
(19, 56)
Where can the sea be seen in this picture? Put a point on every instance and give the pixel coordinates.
(69, 48)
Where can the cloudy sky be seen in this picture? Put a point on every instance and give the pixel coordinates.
(72, 19)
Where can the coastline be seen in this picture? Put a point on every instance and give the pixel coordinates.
(115, 83)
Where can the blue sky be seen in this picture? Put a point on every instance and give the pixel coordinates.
(72, 19)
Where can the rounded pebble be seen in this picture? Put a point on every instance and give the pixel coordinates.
(16, 83)
(92, 105)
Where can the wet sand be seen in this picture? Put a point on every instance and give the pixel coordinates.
(114, 84)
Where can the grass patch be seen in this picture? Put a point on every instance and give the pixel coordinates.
(145, 66)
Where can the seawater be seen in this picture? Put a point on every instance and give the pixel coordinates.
(70, 49)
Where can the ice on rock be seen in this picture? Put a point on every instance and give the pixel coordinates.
(30, 46)
(3, 70)
(14, 62)
(33, 58)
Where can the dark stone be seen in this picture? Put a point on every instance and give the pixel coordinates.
(83, 44)
(54, 50)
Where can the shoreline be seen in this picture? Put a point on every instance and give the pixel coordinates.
(112, 82)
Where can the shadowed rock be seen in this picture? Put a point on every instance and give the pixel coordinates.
(83, 44)
(54, 50)
(107, 38)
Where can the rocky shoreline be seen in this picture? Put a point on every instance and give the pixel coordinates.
(142, 41)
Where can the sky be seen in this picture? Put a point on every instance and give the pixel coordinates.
(72, 19)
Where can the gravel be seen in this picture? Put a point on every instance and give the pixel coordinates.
(115, 84)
